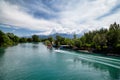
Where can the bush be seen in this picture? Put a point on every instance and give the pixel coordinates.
(47, 42)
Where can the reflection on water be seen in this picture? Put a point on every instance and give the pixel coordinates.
(2, 51)
(31, 61)
(113, 72)
(35, 46)
(76, 59)
(28, 45)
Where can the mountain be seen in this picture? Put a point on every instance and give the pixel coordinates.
(61, 34)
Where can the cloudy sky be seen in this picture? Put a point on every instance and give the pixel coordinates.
(27, 17)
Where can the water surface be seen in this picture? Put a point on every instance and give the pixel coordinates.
(32, 61)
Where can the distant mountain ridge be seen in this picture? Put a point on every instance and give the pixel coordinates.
(60, 34)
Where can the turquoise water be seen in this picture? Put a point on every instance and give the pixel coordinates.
(31, 61)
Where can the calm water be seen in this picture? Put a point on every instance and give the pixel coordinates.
(35, 62)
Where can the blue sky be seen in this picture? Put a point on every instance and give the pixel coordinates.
(28, 17)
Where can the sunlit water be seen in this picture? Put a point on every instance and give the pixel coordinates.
(31, 61)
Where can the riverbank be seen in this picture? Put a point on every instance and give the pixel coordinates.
(90, 51)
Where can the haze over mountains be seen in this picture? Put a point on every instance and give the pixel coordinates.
(61, 34)
(30, 33)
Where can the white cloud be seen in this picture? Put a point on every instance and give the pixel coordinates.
(12, 14)
(88, 12)
(75, 16)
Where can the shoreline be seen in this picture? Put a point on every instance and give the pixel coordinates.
(91, 52)
(88, 51)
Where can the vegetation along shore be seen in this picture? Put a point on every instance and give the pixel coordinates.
(104, 41)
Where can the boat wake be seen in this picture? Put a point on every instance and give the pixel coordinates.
(96, 59)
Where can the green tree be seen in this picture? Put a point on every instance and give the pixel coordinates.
(5, 40)
(23, 40)
(35, 38)
(89, 36)
(100, 40)
(83, 40)
(77, 43)
(47, 42)
(60, 39)
(1, 38)
(13, 37)
(113, 35)
(29, 40)
(50, 39)
(68, 42)
(16, 39)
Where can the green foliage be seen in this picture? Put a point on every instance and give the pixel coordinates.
(83, 40)
(10, 35)
(29, 40)
(60, 40)
(100, 39)
(98, 47)
(113, 35)
(88, 45)
(8, 39)
(118, 46)
(57, 43)
(23, 40)
(68, 42)
(13, 37)
(1, 38)
(35, 38)
(105, 47)
(77, 43)
(89, 36)
(16, 39)
(103, 39)
(50, 39)
(47, 42)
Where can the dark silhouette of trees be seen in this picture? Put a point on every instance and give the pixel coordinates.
(9, 39)
(35, 38)
(103, 40)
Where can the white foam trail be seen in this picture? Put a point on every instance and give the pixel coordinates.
(107, 58)
(100, 58)
(104, 61)
(58, 51)
(100, 62)
(87, 58)
(118, 63)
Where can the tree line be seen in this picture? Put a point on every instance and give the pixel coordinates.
(9, 39)
(103, 40)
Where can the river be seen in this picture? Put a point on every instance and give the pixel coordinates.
(30, 61)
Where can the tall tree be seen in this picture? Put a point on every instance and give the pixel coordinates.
(74, 36)
(5, 40)
(35, 38)
(77, 43)
(113, 35)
